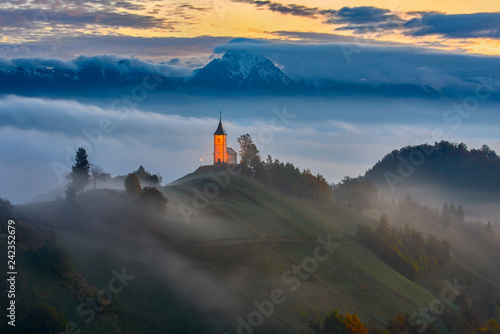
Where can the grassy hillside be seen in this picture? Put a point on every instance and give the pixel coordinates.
(209, 259)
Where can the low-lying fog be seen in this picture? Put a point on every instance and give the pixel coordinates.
(169, 134)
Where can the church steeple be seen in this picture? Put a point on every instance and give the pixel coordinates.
(220, 129)
(220, 150)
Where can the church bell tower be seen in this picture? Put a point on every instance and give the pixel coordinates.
(220, 150)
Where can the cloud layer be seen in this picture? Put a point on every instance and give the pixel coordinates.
(378, 65)
(369, 19)
(342, 136)
(475, 25)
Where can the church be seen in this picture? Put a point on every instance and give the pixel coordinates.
(222, 153)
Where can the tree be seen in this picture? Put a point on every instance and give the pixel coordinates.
(146, 177)
(354, 325)
(383, 226)
(153, 199)
(5, 213)
(98, 174)
(333, 324)
(70, 192)
(5, 209)
(336, 323)
(249, 153)
(489, 153)
(80, 170)
(399, 324)
(460, 213)
(132, 185)
(445, 218)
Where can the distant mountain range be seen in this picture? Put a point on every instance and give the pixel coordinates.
(235, 71)
(87, 77)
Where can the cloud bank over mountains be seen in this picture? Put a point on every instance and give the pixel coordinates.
(331, 67)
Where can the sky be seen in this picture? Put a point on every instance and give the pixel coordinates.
(160, 28)
(441, 46)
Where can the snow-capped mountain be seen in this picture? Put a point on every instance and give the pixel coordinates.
(82, 74)
(240, 69)
(236, 70)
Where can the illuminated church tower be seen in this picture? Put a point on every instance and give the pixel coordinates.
(222, 153)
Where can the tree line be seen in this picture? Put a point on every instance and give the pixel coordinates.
(282, 176)
(405, 250)
(458, 319)
(453, 164)
(149, 196)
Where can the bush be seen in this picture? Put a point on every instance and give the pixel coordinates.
(153, 199)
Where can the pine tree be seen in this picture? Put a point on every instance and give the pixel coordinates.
(80, 171)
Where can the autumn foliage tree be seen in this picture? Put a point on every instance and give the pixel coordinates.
(336, 323)
(132, 185)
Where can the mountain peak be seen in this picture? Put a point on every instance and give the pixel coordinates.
(242, 69)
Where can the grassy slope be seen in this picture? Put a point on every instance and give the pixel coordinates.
(199, 277)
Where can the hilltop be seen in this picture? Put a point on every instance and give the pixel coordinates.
(443, 172)
(226, 246)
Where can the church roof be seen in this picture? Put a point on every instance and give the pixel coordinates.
(220, 129)
(230, 151)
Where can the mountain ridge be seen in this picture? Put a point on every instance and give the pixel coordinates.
(236, 71)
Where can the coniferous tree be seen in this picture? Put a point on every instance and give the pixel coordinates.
(80, 171)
